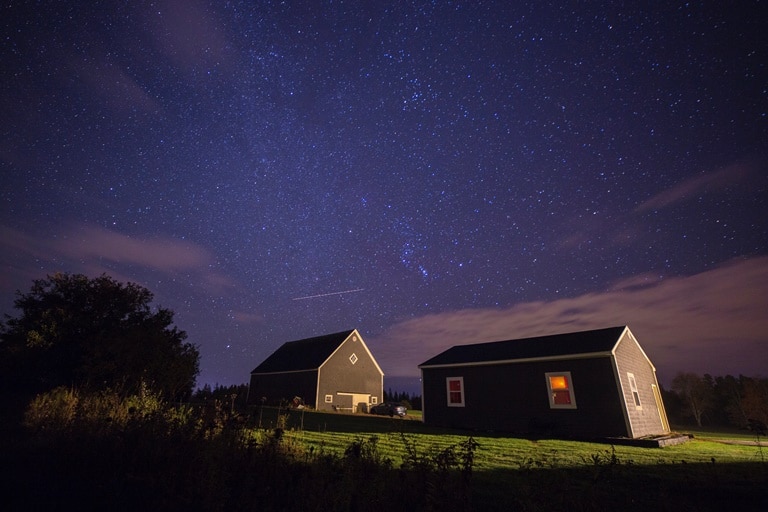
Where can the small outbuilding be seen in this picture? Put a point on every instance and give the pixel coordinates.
(588, 384)
(330, 372)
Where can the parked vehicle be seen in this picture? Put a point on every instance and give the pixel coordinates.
(388, 409)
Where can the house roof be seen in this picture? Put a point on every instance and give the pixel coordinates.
(541, 347)
(306, 354)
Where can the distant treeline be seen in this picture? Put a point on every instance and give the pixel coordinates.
(728, 401)
(412, 401)
(236, 396)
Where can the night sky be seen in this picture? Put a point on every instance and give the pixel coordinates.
(430, 173)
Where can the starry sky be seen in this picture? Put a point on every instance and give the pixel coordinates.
(430, 173)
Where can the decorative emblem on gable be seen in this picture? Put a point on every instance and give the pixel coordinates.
(353, 358)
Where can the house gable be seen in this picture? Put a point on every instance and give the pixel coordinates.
(350, 375)
(359, 349)
(636, 380)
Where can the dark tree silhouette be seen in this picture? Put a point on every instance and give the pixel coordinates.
(695, 393)
(94, 334)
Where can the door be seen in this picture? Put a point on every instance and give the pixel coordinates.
(660, 407)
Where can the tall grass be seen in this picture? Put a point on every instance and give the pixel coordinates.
(106, 451)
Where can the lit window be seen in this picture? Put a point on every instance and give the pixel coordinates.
(635, 392)
(328, 399)
(455, 389)
(560, 388)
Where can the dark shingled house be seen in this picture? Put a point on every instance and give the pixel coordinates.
(586, 384)
(330, 372)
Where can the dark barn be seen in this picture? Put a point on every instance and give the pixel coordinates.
(588, 384)
(330, 372)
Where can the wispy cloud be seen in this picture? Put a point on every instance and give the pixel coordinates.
(706, 183)
(189, 34)
(246, 317)
(623, 229)
(712, 322)
(114, 86)
(164, 254)
(94, 250)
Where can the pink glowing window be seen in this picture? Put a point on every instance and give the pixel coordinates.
(455, 390)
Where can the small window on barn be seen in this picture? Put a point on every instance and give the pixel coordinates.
(353, 359)
(374, 400)
(560, 389)
(328, 399)
(635, 392)
(455, 390)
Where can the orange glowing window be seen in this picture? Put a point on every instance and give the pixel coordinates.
(560, 390)
(558, 382)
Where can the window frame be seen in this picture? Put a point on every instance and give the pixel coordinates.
(634, 391)
(329, 399)
(448, 392)
(569, 388)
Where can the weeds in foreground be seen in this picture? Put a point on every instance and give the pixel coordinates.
(137, 452)
(114, 452)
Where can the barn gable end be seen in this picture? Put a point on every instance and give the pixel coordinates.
(636, 376)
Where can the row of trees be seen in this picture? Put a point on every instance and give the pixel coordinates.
(727, 401)
(411, 401)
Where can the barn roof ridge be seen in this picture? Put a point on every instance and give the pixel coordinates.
(588, 342)
(303, 354)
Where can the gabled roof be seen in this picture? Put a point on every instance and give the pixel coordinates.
(306, 354)
(599, 341)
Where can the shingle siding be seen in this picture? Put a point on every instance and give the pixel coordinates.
(645, 420)
(312, 368)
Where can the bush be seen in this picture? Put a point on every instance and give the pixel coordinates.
(54, 410)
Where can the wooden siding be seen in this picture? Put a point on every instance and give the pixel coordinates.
(339, 375)
(312, 368)
(630, 358)
(279, 388)
(513, 397)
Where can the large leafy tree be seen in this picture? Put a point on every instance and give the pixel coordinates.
(94, 334)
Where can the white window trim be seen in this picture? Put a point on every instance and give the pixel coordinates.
(328, 399)
(448, 381)
(552, 404)
(634, 392)
(374, 400)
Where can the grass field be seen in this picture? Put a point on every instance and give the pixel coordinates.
(705, 473)
(302, 460)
